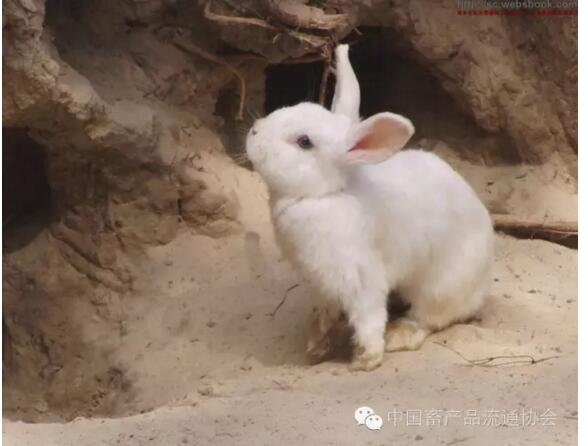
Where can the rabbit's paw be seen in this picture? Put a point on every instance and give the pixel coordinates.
(366, 360)
(405, 334)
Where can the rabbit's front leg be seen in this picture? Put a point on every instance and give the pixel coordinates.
(367, 315)
(330, 242)
(356, 281)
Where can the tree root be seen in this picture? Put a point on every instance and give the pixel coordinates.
(312, 40)
(228, 20)
(299, 15)
(191, 48)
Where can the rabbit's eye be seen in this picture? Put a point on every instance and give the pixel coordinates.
(304, 142)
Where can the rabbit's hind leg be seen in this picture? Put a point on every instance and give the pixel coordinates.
(433, 313)
(405, 334)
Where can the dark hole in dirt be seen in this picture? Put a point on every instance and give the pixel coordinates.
(232, 132)
(26, 204)
(26, 197)
(392, 81)
(289, 84)
(72, 8)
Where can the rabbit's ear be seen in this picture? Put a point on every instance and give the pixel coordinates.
(347, 96)
(378, 138)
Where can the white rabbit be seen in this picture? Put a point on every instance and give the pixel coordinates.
(359, 218)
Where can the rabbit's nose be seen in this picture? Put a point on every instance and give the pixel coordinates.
(253, 131)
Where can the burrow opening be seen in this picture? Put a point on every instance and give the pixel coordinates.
(26, 205)
(26, 195)
(289, 84)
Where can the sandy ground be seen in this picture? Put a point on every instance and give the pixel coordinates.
(253, 386)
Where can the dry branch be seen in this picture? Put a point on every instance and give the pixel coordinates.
(310, 39)
(565, 233)
(236, 20)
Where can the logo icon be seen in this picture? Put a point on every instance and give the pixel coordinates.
(374, 422)
(366, 416)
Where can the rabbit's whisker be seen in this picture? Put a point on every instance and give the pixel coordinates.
(240, 157)
(242, 129)
(253, 115)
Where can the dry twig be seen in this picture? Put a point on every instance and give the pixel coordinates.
(275, 310)
(491, 360)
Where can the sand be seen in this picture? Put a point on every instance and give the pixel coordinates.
(250, 384)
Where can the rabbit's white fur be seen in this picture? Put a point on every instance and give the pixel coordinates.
(358, 230)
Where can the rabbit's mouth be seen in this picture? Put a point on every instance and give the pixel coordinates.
(254, 149)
